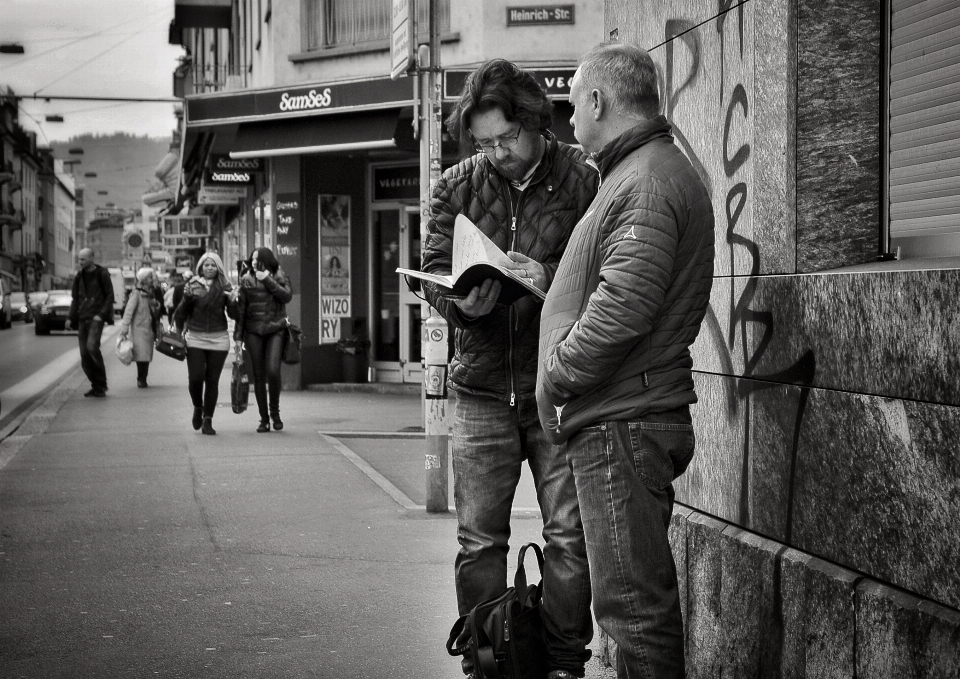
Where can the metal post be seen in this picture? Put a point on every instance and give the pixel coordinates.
(436, 422)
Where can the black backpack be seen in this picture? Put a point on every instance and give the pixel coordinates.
(504, 635)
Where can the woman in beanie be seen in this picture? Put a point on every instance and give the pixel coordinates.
(207, 299)
(264, 293)
(140, 317)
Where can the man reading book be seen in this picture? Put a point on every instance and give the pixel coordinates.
(525, 191)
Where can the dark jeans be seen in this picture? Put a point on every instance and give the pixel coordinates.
(624, 472)
(203, 371)
(91, 360)
(490, 442)
(265, 352)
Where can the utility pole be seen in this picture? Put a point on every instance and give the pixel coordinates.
(434, 344)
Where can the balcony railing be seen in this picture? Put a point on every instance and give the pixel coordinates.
(217, 78)
(340, 23)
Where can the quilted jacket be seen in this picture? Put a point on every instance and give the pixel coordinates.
(203, 310)
(262, 306)
(631, 291)
(496, 354)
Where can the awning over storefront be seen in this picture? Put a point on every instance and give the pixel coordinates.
(321, 134)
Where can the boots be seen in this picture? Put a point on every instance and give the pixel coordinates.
(197, 420)
(208, 426)
(277, 422)
(263, 427)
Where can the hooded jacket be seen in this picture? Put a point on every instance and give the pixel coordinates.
(631, 291)
(204, 309)
(496, 354)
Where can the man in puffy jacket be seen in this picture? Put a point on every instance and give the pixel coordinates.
(90, 308)
(525, 190)
(615, 377)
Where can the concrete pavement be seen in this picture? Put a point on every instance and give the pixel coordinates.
(132, 545)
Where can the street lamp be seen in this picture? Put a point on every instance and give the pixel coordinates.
(54, 118)
(11, 48)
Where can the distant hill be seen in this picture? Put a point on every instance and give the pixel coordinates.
(124, 165)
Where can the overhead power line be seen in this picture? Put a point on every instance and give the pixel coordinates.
(61, 97)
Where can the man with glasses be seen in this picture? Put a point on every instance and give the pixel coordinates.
(526, 191)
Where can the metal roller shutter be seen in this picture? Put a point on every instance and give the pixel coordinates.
(924, 162)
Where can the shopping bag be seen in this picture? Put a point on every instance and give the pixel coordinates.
(170, 343)
(125, 350)
(291, 345)
(239, 386)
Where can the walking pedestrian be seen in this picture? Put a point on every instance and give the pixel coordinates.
(207, 299)
(261, 328)
(615, 378)
(526, 191)
(90, 309)
(140, 319)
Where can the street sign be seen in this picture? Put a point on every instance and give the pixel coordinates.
(217, 194)
(401, 43)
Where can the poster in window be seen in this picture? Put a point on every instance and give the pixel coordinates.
(288, 234)
(334, 214)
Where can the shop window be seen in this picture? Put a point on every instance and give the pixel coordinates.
(341, 23)
(923, 171)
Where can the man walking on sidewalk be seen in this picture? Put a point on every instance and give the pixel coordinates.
(615, 377)
(91, 308)
(525, 190)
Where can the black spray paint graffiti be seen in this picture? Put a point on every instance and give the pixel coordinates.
(683, 34)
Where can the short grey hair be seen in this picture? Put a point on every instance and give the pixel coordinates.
(626, 74)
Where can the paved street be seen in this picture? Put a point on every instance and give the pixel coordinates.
(131, 545)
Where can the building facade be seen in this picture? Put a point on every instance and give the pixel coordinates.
(296, 138)
(36, 196)
(819, 527)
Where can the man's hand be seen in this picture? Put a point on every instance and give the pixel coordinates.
(481, 299)
(530, 269)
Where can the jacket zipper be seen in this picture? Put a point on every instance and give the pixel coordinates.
(511, 317)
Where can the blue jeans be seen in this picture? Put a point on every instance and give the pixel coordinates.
(89, 332)
(491, 439)
(624, 472)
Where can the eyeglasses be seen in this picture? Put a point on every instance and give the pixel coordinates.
(507, 142)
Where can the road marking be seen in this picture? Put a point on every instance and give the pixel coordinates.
(398, 495)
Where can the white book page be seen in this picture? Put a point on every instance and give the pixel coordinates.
(470, 246)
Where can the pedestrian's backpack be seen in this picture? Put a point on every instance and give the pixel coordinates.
(504, 635)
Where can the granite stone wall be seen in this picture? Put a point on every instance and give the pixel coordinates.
(821, 529)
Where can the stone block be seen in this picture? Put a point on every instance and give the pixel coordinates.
(750, 629)
(704, 583)
(838, 133)
(714, 479)
(677, 534)
(816, 601)
(898, 636)
(876, 490)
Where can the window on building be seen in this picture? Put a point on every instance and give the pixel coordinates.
(339, 23)
(923, 171)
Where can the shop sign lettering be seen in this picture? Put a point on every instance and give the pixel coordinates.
(308, 101)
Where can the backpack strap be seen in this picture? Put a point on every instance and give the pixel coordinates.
(520, 579)
(456, 632)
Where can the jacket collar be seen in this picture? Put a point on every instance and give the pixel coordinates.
(546, 161)
(616, 150)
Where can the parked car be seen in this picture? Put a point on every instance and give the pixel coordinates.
(6, 312)
(53, 312)
(21, 307)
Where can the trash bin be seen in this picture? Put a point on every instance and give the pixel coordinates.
(353, 353)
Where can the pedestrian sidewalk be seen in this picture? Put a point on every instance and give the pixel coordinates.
(304, 552)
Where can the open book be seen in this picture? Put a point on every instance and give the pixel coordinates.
(475, 259)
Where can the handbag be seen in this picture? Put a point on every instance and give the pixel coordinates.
(171, 343)
(291, 344)
(239, 386)
(504, 635)
(125, 350)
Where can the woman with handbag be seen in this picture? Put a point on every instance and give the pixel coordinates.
(139, 324)
(262, 327)
(207, 299)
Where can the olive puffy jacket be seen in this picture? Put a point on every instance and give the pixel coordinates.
(496, 354)
(262, 306)
(632, 289)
